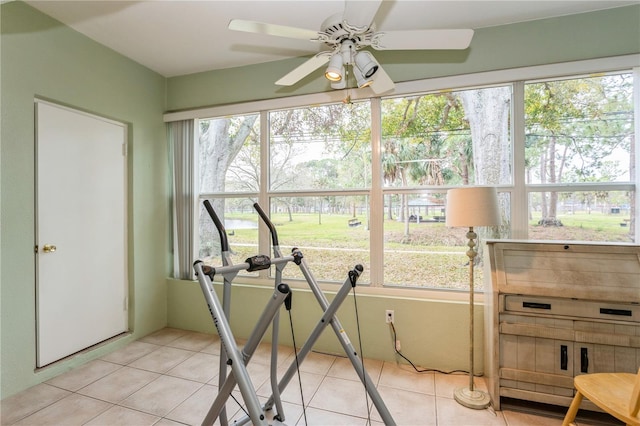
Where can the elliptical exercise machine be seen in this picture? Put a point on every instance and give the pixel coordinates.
(231, 355)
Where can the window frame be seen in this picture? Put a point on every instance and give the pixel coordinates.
(518, 191)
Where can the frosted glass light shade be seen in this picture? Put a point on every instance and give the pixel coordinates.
(472, 206)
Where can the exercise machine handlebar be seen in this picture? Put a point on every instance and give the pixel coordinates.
(251, 264)
(267, 221)
(224, 243)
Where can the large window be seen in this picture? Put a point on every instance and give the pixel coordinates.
(320, 148)
(365, 182)
(579, 151)
(229, 176)
(432, 142)
(319, 152)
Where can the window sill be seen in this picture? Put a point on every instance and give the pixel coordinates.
(395, 292)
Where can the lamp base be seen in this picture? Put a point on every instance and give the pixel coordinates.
(476, 399)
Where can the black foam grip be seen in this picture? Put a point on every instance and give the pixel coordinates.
(267, 221)
(224, 243)
(259, 262)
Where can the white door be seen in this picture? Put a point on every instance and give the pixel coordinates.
(81, 229)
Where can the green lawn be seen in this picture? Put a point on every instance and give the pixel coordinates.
(583, 226)
(432, 256)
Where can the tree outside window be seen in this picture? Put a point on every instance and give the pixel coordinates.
(578, 150)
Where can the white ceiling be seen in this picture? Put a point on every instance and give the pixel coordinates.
(183, 37)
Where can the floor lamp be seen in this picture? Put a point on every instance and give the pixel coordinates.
(469, 207)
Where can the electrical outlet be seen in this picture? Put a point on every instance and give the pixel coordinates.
(389, 316)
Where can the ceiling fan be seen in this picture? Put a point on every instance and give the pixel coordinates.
(346, 35)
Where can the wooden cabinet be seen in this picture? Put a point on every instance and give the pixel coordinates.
(556, 310)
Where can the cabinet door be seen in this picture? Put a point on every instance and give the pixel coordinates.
(554, 357)
(604, 347)
(537, 364)
(593, 358)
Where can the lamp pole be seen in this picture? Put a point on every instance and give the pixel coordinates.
(471, 253)
(469, 207)
(470, 397)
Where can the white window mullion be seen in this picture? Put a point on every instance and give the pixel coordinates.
(376, 203)
(519, 196)
(195, 231)
(636, 117)
(264, 236)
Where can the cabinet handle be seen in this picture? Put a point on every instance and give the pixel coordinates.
(564, 357)
(621, 312)
(536, 305)
(584, 360)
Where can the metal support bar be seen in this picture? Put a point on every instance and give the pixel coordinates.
(238, 360)
(278, 297)
(329, 318)
(347, 346)
(323, 322)
(233, 354)
(275, 330)
(226, 308)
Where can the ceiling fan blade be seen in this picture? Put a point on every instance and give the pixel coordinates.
(304, 69)
(422, 39)
(361, 13)
(272, 29)
(382, 82)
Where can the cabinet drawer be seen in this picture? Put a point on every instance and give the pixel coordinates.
(533, 330)
(574, 308)
(532, 326)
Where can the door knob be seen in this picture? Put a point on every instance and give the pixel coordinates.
(49, 248)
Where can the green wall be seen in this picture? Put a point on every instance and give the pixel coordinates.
(42, 58)
(570, 38)
(433, 333)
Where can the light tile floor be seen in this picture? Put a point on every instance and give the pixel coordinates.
(170, 378)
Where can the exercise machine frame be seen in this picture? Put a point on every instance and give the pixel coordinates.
(255, 414)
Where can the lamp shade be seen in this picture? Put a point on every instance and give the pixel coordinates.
(472, 206)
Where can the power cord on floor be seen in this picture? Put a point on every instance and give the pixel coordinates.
(418, 370)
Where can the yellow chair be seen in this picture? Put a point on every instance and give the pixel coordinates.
(616, 393)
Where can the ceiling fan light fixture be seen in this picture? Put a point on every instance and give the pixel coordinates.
(335, 70)
(333, 75)
(366, 63)
(361, 80)
(352, 39)
(336, 85)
